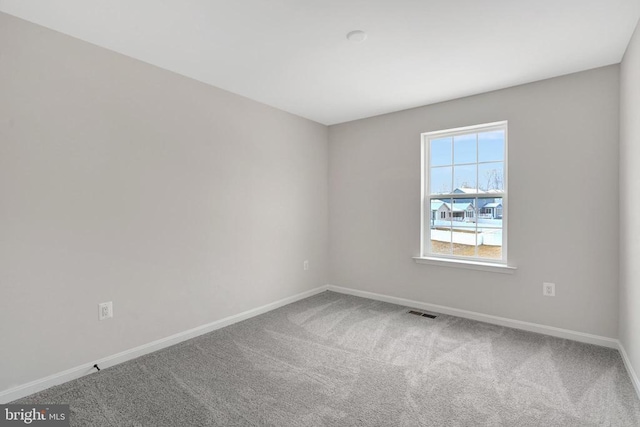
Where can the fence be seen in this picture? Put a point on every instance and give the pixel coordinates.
(493, 238)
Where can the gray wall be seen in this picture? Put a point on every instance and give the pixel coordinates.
(563, 152)
(630, 201)
(122, 182)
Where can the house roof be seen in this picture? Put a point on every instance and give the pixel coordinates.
(493, 205)
(467, 190)
(461, 206)
(470, 190)
(435, 204)
(457, 207)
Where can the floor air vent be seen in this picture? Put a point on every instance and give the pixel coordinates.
(420, 313)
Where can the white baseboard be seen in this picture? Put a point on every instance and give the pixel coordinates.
(79, 371)
(502, 321)
(630, 370)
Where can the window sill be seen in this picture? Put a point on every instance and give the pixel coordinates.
(470, 265)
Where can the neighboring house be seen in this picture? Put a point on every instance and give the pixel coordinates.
(491, 210)
(466, 190)
(485, 198)
(463, 211)
(459, 211)
(440, 210)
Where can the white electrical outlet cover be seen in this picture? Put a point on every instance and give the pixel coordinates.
(105, 310)
(549, 289)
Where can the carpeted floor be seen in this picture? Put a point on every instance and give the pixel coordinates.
(339, 360)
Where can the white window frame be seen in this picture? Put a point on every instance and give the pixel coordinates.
(451, 260)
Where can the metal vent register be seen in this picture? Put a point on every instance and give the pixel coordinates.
(420, 313)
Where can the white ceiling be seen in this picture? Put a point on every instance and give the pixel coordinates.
(293, 54)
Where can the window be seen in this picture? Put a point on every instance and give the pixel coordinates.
(464, 175)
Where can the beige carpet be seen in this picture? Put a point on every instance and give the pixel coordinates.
(338, 360)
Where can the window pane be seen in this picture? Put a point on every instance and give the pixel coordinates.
(465, 177)
(490, 227)
(440, 181)
(440, 226)
(464, 149)
(464, 227)
(464, 214)
(464, 243)
(491, 176)
(491, 146)
(441, 152)
(490, 212)
(491, 244)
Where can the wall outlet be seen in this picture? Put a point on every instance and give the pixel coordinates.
(549, 289)
(305, 265)
(105, 310)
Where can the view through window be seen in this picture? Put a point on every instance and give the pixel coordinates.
(465, 193)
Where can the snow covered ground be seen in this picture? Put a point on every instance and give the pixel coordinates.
(489, 232)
